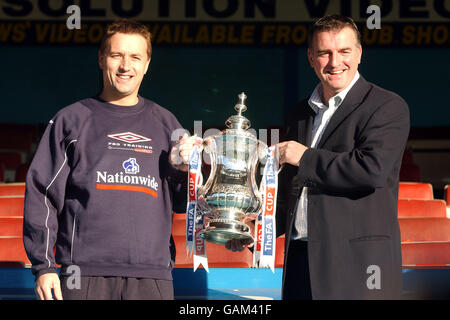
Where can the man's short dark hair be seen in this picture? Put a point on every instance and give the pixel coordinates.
(333, 22)
(127, 26)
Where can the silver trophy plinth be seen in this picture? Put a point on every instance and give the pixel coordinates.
(230, 194)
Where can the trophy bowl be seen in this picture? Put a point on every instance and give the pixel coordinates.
(230, 195)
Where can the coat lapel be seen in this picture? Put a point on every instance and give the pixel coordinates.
(353, 99)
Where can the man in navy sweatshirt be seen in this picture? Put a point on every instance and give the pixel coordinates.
(101, 189)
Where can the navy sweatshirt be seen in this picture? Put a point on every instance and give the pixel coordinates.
(100, 191)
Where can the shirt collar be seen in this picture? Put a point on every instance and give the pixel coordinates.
(315, 101)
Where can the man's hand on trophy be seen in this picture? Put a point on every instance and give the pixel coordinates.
(179, 155)
(238, 244)
(291, 152)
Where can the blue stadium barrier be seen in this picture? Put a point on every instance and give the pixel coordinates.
(237, 284)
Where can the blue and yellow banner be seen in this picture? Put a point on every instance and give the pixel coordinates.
(247, 23)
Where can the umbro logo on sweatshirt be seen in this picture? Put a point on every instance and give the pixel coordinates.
(129, 141)
(129, 137)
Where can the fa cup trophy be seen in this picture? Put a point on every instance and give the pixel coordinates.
(230, 194)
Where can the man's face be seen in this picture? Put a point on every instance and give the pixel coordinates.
(124, 64)
(335, 56)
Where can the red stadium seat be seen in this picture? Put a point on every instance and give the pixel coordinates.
(179, 224)
(421, 208)
(424, 229)
(11, 226)
(426, 254)
(279, 253)
(181, 258)
(411, 190)
(11, 206)
(12, 189)
(12, 252)
(11, 249)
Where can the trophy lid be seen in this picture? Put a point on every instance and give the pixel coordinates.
(238, 121)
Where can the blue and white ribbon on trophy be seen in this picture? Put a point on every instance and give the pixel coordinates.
(265, 226)
(195, 245)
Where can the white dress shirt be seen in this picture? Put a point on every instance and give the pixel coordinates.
(321, 120)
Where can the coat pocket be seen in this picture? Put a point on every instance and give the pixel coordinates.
(371, 264)
(370, 238)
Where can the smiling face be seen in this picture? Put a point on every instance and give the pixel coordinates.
(124, 62)
(335, 56)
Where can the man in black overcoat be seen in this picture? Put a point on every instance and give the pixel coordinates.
(338, 190)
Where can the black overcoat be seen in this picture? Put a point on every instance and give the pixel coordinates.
(352, 178)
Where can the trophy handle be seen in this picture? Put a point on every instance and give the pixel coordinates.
(209, 146)
(261, 154)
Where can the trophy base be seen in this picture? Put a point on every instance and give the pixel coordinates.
(220, 231)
